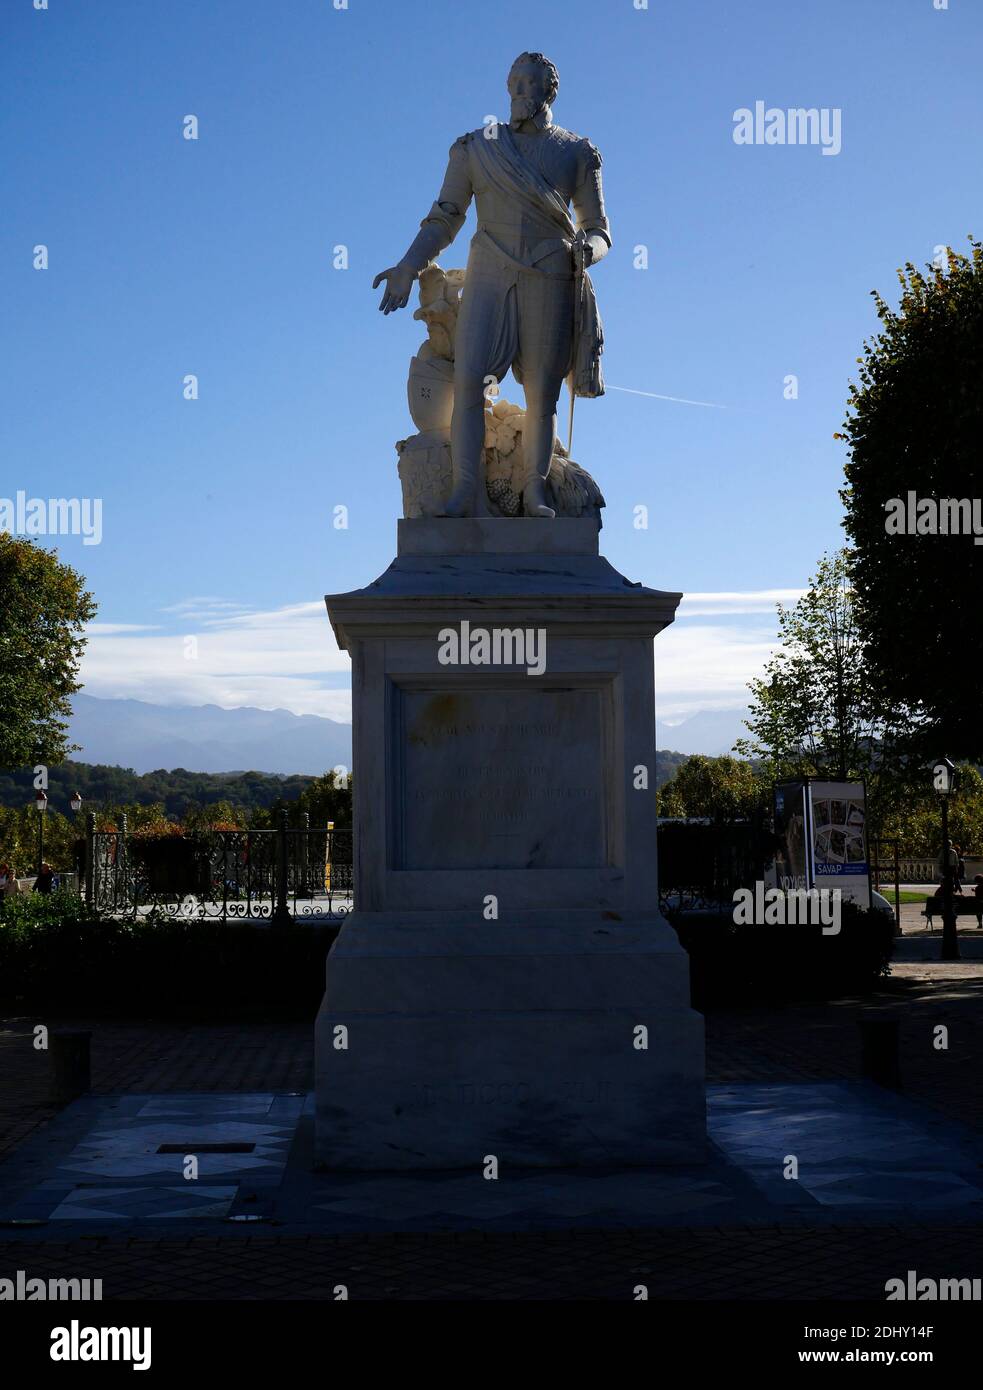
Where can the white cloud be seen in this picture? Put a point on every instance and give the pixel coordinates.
(108, 629)
(204, 607)
(283, 658)
(287, 658)
(697, 605)
(704, 666)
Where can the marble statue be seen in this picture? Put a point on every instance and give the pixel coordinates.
(506, 984)
(425, 469)
(529, 303)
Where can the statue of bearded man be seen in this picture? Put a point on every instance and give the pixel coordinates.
(528, 303)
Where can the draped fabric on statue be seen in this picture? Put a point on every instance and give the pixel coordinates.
(510, 174)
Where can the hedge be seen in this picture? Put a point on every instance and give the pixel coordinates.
(55, 957)
(734, 964)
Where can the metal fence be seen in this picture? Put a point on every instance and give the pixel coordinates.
(701, 865)
(277, 876)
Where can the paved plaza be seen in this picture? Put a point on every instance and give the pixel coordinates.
(887, 1181)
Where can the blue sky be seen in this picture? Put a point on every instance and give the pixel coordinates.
(320, 127)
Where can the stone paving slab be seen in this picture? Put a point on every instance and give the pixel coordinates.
(860, 1153)
(238, 1257)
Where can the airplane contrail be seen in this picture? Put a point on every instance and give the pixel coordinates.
(655, 396)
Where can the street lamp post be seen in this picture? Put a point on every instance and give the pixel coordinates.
(80, 860)
(944, 782)
(41, 802)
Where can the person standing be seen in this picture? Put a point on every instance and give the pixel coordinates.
(8, 882)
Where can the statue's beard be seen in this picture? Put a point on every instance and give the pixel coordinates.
(523, 109)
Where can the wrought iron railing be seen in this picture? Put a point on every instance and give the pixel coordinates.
(276, 876)
(702, 864)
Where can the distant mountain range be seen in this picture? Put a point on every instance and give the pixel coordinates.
(711, 731)
(206, 738)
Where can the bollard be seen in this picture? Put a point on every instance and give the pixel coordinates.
(879, 1044)
(71, 1074)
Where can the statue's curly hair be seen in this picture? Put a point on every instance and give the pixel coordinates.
(552, 76)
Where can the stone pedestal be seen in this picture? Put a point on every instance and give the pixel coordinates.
(506, 985)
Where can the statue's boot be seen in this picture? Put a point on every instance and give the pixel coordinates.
(534, 498)
(469, 496)
(467, 499)
(460, 503)
(538, 436)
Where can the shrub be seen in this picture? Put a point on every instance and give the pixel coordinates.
(56, 957)
(738, 964)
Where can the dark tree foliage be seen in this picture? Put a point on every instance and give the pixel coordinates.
(177, 792)
(44, 607)
(916, 424)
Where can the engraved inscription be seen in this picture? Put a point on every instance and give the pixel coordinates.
(479, 1093)
(504, 778)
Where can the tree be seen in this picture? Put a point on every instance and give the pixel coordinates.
(914, 819)
(44, 606)
(818, 711)
(719, 789)
(218, 815)
(19, 839)
(916, 426)
(327, 798)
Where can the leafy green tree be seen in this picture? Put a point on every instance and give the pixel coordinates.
(104, 789)
(815, 711)
(720, 789)
(327, 798)
(19, 839)
(914, 819)
(44, 607)
(219, 815)
(818, 711)
(915, 424)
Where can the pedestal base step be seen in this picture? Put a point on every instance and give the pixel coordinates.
(534, 1088)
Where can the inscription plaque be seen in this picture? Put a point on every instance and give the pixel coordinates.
(508, 778)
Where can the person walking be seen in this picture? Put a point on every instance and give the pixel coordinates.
(960, 873)
(45, 880)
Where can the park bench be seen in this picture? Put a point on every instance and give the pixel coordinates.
(962, 906)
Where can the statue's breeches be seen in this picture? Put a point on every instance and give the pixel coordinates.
(513, 318)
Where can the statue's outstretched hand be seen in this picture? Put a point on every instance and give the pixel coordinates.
(399, 282)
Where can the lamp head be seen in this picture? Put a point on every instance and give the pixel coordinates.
(944, 776)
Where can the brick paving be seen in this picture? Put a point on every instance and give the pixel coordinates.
(796, 1042)
(743, 1264)
(151, 1057)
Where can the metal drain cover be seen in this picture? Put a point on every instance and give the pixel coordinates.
(192, 1148)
